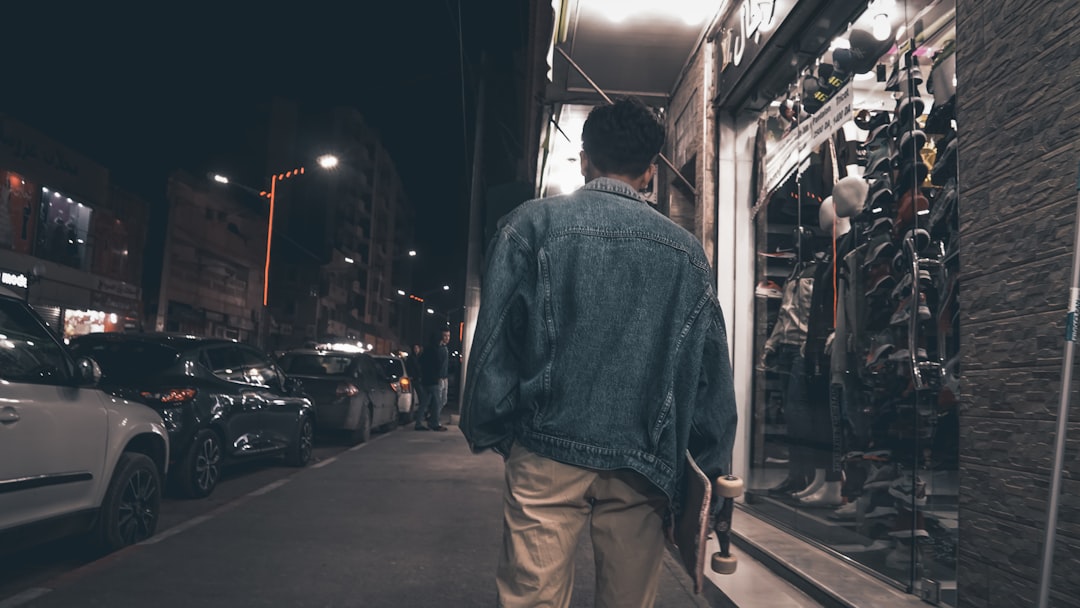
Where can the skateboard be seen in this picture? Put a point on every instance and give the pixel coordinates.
(691, 528)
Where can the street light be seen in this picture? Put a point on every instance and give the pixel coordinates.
(326, 161)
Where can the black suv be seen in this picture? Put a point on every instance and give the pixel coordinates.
(219, 399)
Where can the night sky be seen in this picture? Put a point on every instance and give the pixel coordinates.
(173, 86)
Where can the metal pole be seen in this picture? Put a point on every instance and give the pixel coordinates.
(597, 88)
(1063, 412)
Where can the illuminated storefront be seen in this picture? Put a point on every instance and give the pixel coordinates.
(69, 242)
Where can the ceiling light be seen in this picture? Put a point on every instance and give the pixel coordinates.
(690, 12)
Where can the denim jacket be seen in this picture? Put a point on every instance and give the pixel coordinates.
(600, 342)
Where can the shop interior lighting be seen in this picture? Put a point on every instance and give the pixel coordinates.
(691, 12)
(882, 27)
(45, 190)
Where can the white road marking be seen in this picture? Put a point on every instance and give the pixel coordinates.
(24, 597)
(269, 487)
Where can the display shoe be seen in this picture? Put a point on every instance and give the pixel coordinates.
(828, 495)
(845, 512)
(880, 476)
(879, 511)
(818, 481)
(768, 289)
(908, 491)
(792, 483)
(906, 526)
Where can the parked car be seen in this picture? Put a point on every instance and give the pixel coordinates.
(72, 458)
(221, 400)
(398, 376)
(350, 391)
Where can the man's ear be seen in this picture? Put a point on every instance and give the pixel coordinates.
(583, 162)
(647, 177)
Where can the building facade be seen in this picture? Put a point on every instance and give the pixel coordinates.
(832, 157)
(345, 233)
(212, 270)
(71, 240)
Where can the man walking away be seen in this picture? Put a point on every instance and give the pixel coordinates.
(599, 358)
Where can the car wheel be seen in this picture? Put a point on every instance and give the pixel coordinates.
(362, 433)
(201, 468)
(299, 453)
(129, 512)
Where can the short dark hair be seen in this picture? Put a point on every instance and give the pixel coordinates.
(622, 138)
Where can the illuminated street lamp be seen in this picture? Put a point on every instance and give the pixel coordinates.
(326, 161)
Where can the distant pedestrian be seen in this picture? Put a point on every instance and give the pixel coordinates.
(599, 358)
(434, 363)
(412, 368)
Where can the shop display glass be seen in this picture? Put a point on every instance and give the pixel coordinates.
(854, 417)
(18, 212)
(64, 226)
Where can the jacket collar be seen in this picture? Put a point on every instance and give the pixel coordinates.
(614, 186)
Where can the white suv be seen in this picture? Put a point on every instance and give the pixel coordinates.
(394, 369)
(72, 459)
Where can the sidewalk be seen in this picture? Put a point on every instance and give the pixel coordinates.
(408, 519)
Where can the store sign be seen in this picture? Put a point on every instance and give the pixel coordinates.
(118, 288)
(800, 142)
(14, 279)
(746, 32)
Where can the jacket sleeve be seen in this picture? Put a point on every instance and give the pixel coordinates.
(492, 376)
(712, 432)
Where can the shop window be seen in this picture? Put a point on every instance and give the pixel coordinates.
(856, 339)
(64, 231)
(18, 212)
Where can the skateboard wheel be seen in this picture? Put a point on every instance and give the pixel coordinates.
(724, 565)
(729, 486)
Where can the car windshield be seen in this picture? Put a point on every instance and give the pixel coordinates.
(27, 353)
(128, 360)
(393, 368)
(301, 364)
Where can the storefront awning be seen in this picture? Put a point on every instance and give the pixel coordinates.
(628, 47)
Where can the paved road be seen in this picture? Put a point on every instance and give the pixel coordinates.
(33, 567)
(408, 519)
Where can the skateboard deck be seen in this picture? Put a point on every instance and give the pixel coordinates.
(691, 529)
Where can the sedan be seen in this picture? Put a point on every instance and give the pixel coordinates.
(350, 391)
(220, 400)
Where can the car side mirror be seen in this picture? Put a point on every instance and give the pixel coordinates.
(87, 372)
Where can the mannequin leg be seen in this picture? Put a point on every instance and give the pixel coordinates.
(828, 495)
(815, 485)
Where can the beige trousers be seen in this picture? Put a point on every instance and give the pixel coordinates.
(547, 505)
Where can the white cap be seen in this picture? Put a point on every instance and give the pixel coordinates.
(850, 196)
(829, 223)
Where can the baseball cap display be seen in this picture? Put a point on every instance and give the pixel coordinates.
(849, 195)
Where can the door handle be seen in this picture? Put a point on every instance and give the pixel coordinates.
(9, 415)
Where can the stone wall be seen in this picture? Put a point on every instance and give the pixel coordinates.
(692, 150)
(1018, 115)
